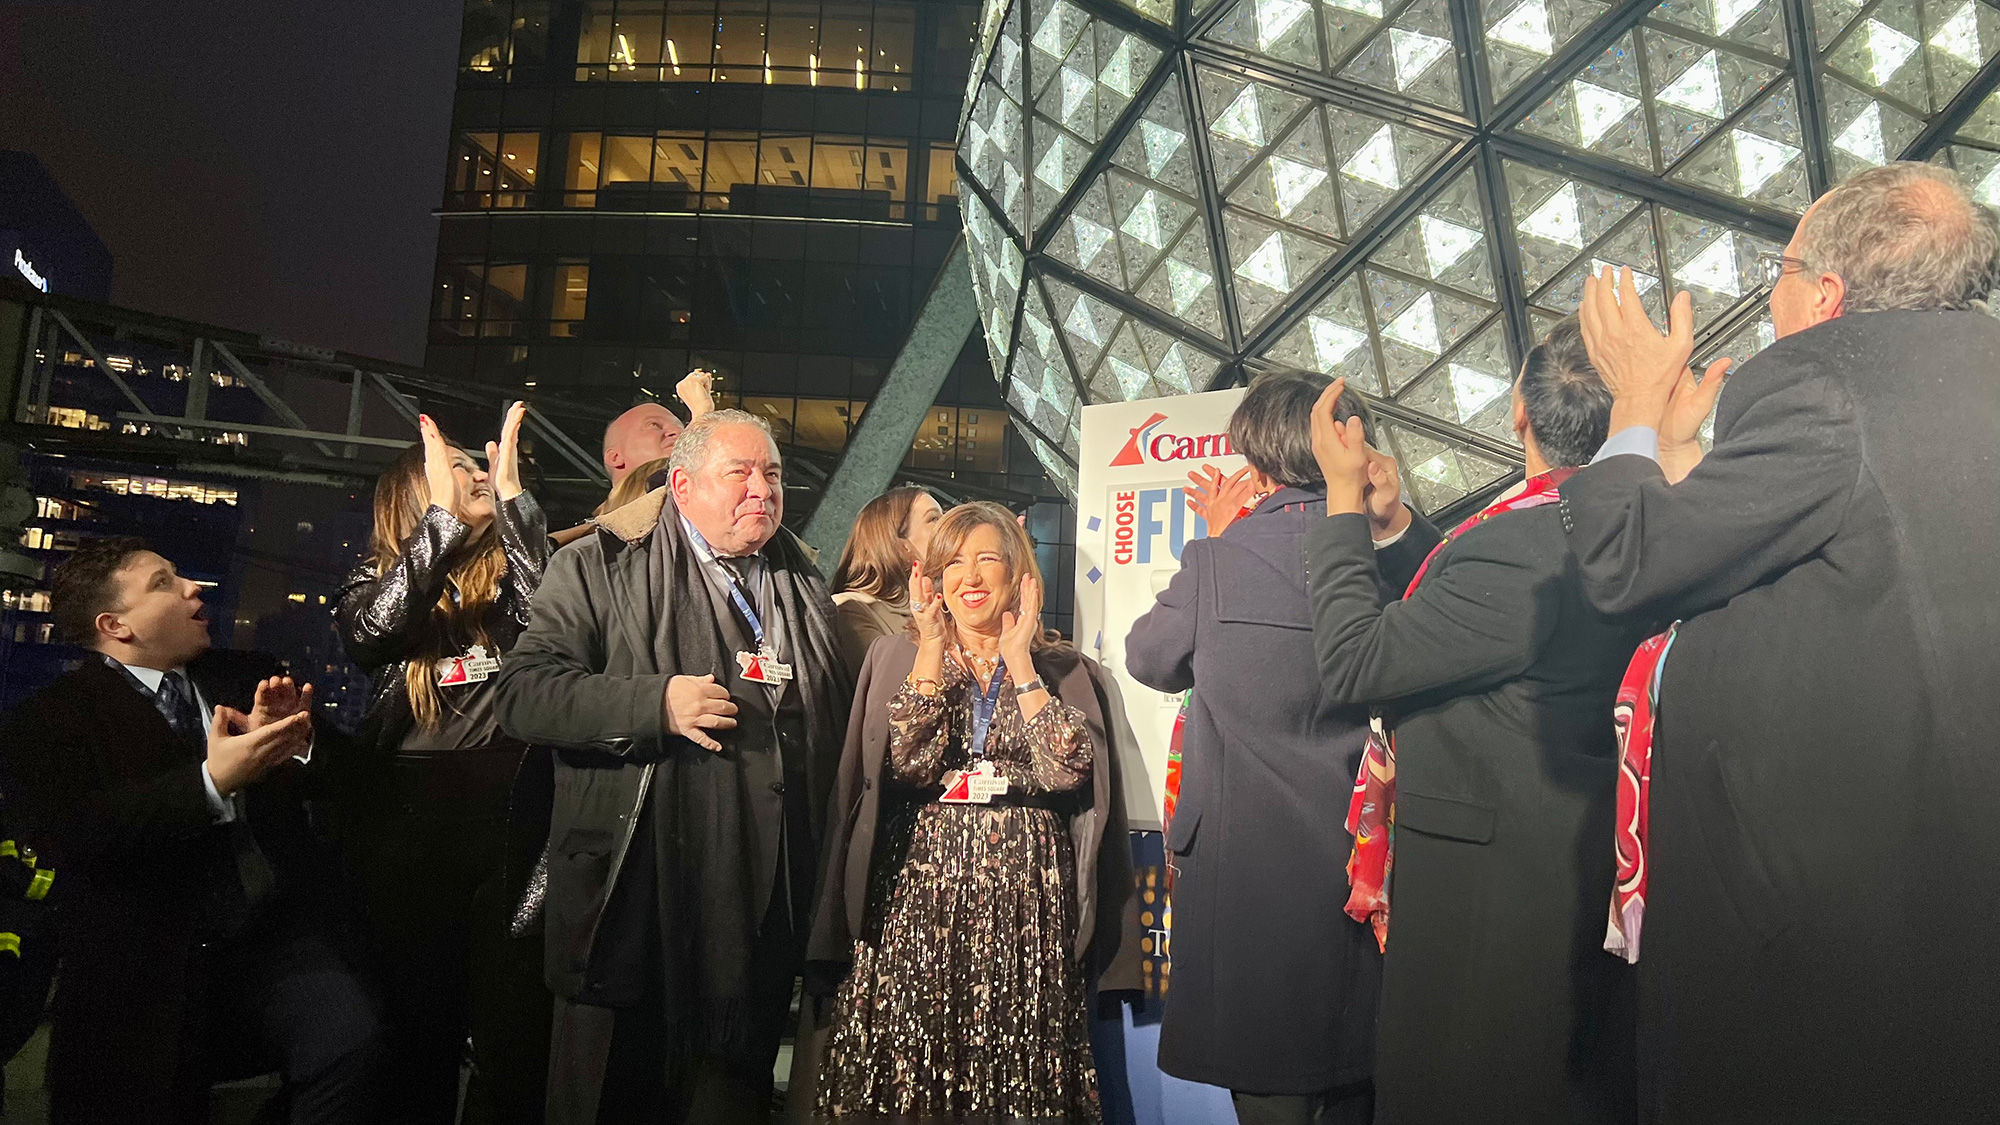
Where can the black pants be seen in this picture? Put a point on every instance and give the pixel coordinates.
(612, 1066)
(1347, 1105)
(288, 1001)
(439, 902)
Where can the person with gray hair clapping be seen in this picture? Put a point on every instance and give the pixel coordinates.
(1821, 859)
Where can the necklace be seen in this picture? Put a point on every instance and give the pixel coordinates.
(982, 668)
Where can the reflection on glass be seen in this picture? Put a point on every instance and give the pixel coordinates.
(850, 44)
(569, 295)
(506, 290)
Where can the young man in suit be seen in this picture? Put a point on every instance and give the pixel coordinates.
(163, 782)
(1496, 678)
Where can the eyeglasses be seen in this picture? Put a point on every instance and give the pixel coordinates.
(1771, 267)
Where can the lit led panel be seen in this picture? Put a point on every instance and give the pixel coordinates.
(1164, 197)
(1701, 92)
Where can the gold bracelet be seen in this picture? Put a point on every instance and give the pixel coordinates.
(918, 682)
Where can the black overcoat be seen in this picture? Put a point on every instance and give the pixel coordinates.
(1273, 988)
(1825, 844)
(1497, 677)
(99, 785)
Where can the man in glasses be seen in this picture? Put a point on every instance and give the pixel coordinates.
(1823, 839)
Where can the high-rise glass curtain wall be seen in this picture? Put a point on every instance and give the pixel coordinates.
(1166, 196)
(762, 187)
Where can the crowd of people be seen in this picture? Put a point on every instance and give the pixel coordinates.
(636, 800)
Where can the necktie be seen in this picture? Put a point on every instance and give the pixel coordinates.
(175, 701)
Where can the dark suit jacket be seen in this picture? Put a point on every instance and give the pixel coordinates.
(1825, 846)
(96, 781)
(1274, 987)
(1499, 1003)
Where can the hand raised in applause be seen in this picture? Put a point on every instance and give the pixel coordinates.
(238, 754)
(695, 705)
(927, 609)
(1690, 406)
(1639, 364)
(1387, 514)
(440, 474)
(279, 698)
(503, 457)
(1217, 499)
(697, 390)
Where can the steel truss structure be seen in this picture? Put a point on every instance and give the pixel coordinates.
(89, 379)
(1167, 196)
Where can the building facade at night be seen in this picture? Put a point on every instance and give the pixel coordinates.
(761, 187)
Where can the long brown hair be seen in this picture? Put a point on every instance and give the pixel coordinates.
(631, 486)
(1016, 552)
(873, 562)
(459, 618)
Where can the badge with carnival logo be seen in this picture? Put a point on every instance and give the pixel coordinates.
(475, 667)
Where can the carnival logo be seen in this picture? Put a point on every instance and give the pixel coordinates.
(1146, 445)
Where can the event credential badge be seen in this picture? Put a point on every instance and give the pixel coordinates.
(475, 667)
(763, 666)
(976, 786)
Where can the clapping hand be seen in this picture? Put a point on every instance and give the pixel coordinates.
(1640, 365)
(239, 753)
(279, 698)
(503, 457)
(1384, 497)
(927, 609)
(1218, 499)
(440, 475)
(1019, 628)
(1341, 448)
(1687, 409)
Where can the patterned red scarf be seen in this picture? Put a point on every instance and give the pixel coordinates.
(1371, 811)
(1632, 716)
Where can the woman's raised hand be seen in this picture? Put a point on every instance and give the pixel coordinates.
(927, 608)
(439, 473)
(1018, 629)
(503, 458)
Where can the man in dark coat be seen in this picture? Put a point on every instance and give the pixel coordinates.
(1824, 846)
(1274, 988)
(1496, 678)
(191, 948)
(683, 662)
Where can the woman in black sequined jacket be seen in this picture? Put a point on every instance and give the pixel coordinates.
(450, 812)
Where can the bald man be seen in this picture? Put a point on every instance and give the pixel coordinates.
(647, 432)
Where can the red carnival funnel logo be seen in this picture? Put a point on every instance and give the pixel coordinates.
(1130, 455)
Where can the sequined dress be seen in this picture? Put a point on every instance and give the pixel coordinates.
(965, 1003)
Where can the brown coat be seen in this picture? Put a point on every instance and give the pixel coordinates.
(862, 619)
(1103, 848)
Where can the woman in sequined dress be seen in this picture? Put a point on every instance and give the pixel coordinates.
(966, 998)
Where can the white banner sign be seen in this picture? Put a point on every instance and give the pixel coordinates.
(1132, 520)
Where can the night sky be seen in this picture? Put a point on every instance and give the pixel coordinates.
(270, 166)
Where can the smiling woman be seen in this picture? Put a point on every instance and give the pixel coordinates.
(458, 551)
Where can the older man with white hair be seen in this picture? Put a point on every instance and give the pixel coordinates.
(682, 661)
(1819, 877)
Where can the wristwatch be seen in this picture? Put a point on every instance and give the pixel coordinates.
(1032, 685)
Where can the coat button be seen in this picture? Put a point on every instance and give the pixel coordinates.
(777, 787)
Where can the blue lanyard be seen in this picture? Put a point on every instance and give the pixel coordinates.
(982, 713)
(735, 588)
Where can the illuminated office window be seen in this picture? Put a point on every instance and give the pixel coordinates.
(569, 294)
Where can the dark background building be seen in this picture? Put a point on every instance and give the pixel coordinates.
(761, 187)
(44, 241)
